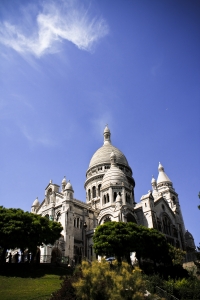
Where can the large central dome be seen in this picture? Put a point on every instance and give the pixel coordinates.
(102, 155)
(101, 172)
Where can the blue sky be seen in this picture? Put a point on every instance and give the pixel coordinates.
(67, 68)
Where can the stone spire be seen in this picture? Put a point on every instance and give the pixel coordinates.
(153, 183)
(107, 135)
(162, 177)
(113, 158)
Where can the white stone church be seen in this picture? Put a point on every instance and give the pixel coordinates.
(110, 196)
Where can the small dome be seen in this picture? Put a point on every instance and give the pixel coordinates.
(69, 186)
(64, 181)
(114, 176)
(162, 177)
(36, 202)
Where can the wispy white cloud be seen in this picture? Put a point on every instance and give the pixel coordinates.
(37, 139)
(55, 23)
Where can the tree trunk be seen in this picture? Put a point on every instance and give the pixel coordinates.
(3, 256)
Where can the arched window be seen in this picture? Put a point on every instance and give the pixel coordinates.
(107, 219)
(154, 221)
(99, 189)
(104, 199)
(89, 195)
(115, 195)
(93, 191)
(159, 224)
(175, 232)
(107, 196)
(166, 225)
(130, 218)
(174, 200)
(128, 199)
(49, 193)
(58, 216)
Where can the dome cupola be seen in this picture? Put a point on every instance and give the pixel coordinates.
(36, 202)
(69, 186)
(107, 135)
(64, 182)
(102, 155)
(114, 176)
(162, 177)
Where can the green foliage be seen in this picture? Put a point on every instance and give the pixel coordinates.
(177, 255)
(100, 281)
(183, 288)
(119, 239)
(19, 229)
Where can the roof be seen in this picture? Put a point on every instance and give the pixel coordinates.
(162, 177)
(114, 176)
(102, 156)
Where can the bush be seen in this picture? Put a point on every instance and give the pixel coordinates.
(103, 281)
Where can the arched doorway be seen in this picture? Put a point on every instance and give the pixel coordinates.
(130, 218)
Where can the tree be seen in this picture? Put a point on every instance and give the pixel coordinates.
(177, 255)
(19, 229)
(119, 239)
(113, 238)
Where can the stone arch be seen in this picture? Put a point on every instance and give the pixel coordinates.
(49, 193)
(115, 196)
(167, 224)
(130, 218)
(107, 198)
(58, 216)
(94, 192)
(105, 219)
(99, 189)
(89, 195)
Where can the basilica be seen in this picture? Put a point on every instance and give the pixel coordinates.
(110, 196)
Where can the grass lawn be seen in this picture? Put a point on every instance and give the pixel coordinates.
(16, 288)
(29, 282)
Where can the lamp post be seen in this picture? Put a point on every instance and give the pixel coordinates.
(84, 246)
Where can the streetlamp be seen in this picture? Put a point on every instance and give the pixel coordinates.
(84, 246)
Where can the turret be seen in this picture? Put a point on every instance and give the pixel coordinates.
(107, 135)
(69, 191)
(153, 183)
(35, 205)
(163, 179)
(64, 182)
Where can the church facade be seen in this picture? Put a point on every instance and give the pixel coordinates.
(110, 196)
